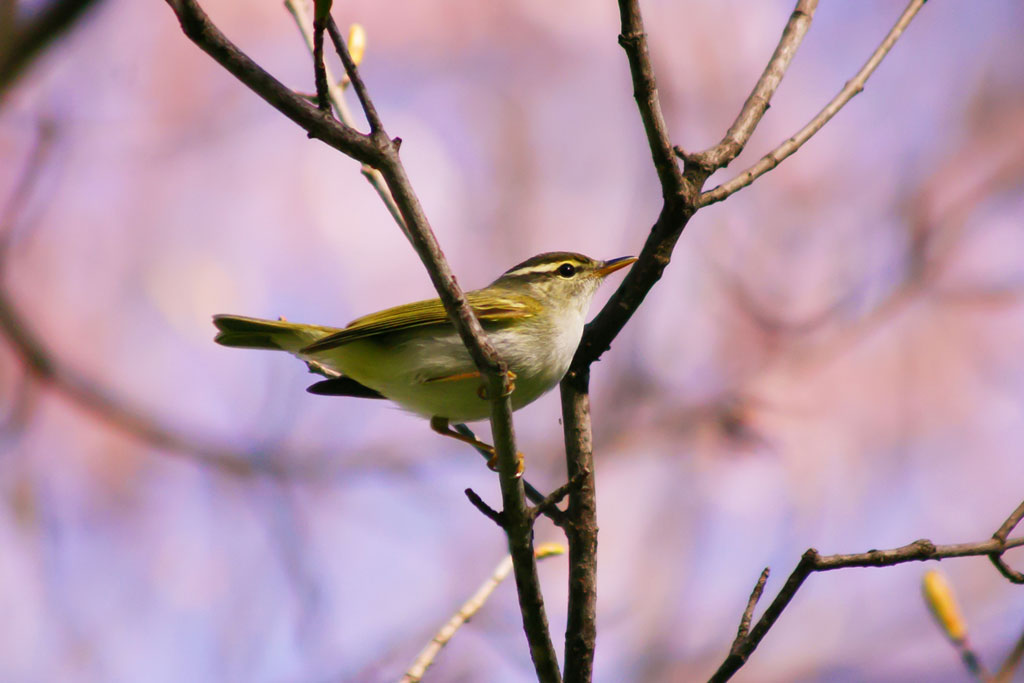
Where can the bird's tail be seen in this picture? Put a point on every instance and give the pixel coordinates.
(255, 333)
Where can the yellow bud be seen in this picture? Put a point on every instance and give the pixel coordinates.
(356, 42)
(942, 602)
(548, 549)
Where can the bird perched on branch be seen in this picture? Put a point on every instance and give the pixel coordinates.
(412, 355)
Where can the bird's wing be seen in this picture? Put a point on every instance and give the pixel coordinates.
(488, 307)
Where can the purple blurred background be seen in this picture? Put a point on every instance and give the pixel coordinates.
(833, 359)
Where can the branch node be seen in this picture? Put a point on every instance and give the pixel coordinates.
(555, 497)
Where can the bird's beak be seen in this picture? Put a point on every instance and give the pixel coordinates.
(614, 264)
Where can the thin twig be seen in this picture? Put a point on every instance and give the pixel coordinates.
(812, 562)
(852, 87)
(483, 507)
(555, 497)
(748, 613)
(320, 125)
(634, 41)
(429, 653)
(760, 97)
(997, 559)
(319, 69)
(556, 515)
(336, 93)
(352, 69)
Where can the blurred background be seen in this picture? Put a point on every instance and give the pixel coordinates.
(833, 358)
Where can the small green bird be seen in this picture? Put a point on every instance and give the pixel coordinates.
(533, 314)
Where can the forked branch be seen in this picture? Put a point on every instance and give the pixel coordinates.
(853, 87)
(381, 152)
(812, 562)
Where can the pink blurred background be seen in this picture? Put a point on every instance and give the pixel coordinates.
(833, 359)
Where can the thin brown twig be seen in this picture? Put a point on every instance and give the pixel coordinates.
(748, 613)
(376, 125)
(555, 497)
(428, 654)
(853, 87)
(812, 562)
(556, 515)
(484, 508)
(336, 93)
(319, 68)
(997, 559)
(760, 97)
(197, 26)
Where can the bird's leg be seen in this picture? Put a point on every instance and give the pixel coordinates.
(440, 425)
(482, 390)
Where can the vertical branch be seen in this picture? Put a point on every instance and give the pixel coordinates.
(634, 41)
(319, 69)
(581, 528)
(518, 522)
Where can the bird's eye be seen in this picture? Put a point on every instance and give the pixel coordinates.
(566, 270)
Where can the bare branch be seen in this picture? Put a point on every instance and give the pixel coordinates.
(484, 508)
(748, 613)
(853, 87)
(336, 93)
(678, 193)
(427, 656)
(536, 497)
(581, 531)
(997, 559)
(381, 152)
(812, 562)
(760, 97)
(318, 124)
(634, 41)
(319, 69)
(555, 497)
(376, 126)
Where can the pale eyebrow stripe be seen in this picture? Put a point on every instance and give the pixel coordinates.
(542, 268)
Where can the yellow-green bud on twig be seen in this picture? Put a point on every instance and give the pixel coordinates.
(549, 549)
(942, 602)
(356, 42)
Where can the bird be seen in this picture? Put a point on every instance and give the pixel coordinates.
(533, 314)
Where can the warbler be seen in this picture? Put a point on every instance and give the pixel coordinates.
(412, 355)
